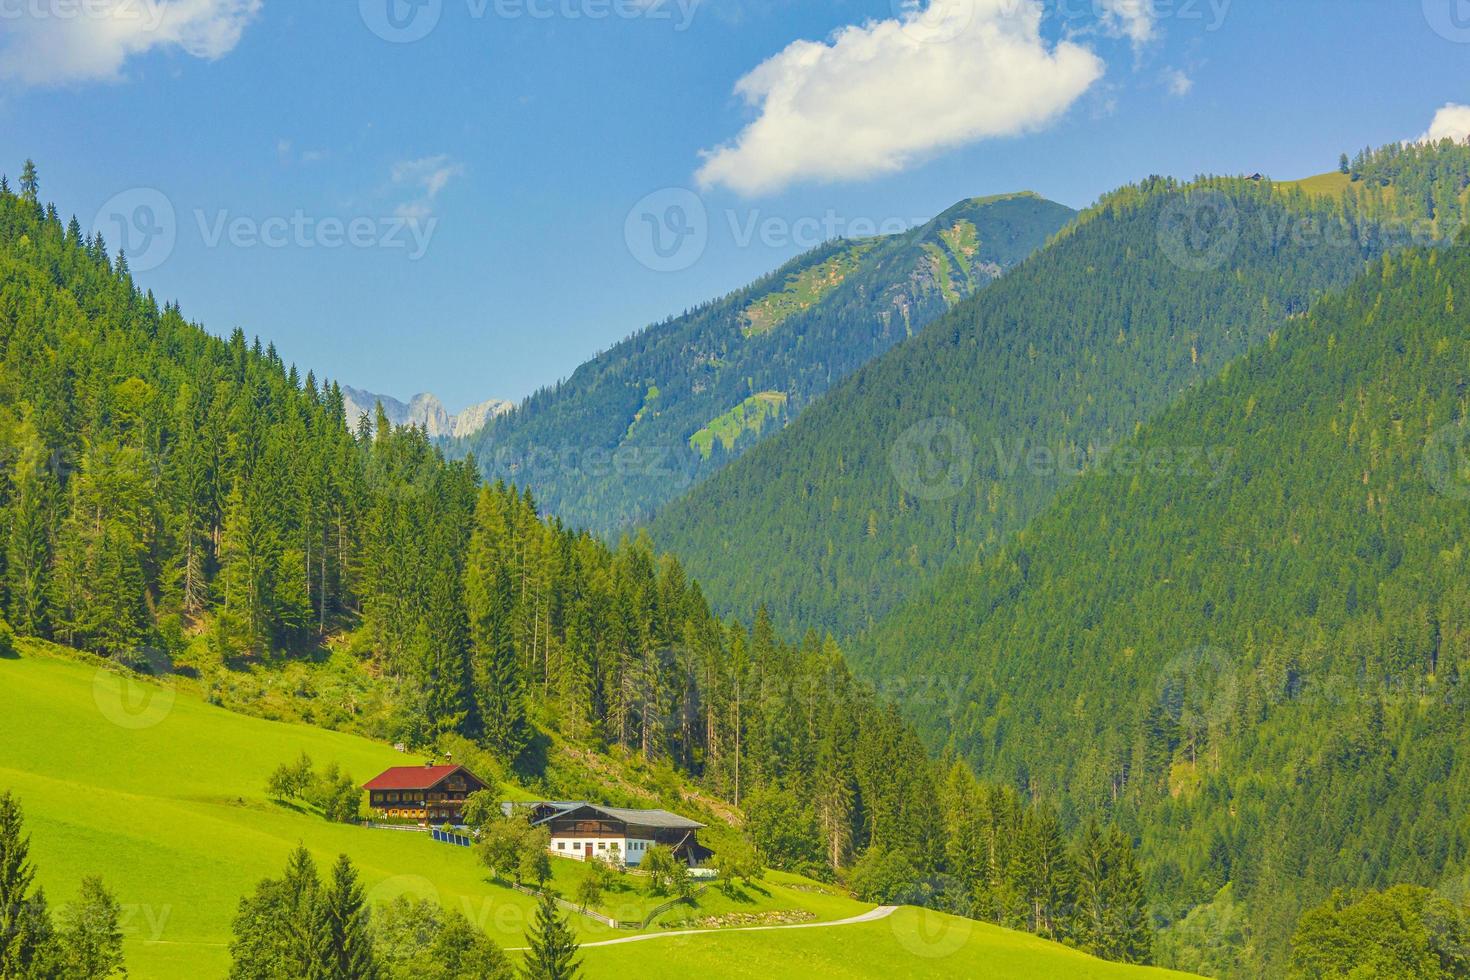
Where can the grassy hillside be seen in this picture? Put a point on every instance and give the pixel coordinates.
(951, 442)
(750, 415)
(911, 943)
(598, 452)
(163, 795)
(1258, 665)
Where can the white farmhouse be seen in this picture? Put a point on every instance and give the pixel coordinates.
(587, 831)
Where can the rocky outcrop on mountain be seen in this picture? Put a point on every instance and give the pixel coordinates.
(423, 410)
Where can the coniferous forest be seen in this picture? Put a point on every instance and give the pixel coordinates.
(609, 489)
(177, 501)
(1194, 701)
(1151, 292)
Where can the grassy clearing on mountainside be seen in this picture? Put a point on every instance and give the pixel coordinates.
(1334, 184)
(750, 415)
(802, 291)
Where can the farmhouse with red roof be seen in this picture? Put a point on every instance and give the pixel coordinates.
(427, 793)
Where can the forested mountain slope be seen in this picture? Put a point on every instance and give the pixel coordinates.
(664, 409)
(178, 502)
(954, 440)
(1259, 665)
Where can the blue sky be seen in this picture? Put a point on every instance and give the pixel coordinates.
(471, 212)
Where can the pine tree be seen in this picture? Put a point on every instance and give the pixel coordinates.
(349, 954)
(499, 698)
(25, 924)
(1090, 921)
(1048, 885)
(91, 937)
(835, 789)
(34, 497)
(1133, 926)
(553, 945)
(30, 185)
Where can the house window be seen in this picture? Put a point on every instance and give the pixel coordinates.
(602, 845)
(561, 845)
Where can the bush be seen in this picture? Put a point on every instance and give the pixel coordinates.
(510, 846)
(737, 859)
(1407, 932)
(884, 878)
(663, 869)
(7, 641)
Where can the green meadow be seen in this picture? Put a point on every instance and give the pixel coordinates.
(164, 796)
(912, 943)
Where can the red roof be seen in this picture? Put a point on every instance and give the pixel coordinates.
(414, 777)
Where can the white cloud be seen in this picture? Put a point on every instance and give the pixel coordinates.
(1178, 82)
(876, 98)
(1451, 122)
(1133, 19)
(54, 42)
(428, 177)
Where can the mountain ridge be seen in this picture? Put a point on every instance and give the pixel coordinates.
(662, 410)
(1065, 354)
(424, 410)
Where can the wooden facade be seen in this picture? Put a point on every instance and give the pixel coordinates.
(587, 831)
(428, 794)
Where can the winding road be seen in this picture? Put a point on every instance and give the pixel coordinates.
(881, 912)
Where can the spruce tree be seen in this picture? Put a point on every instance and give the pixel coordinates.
(1133, 932)
(25, 923)
(30, 185)
(553, 945)
(499, 698)
(347, 925)
(91, 935)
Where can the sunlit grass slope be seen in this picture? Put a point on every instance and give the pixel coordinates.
(164, 796)
(912, 943)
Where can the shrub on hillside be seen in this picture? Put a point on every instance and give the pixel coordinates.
(884, 877)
